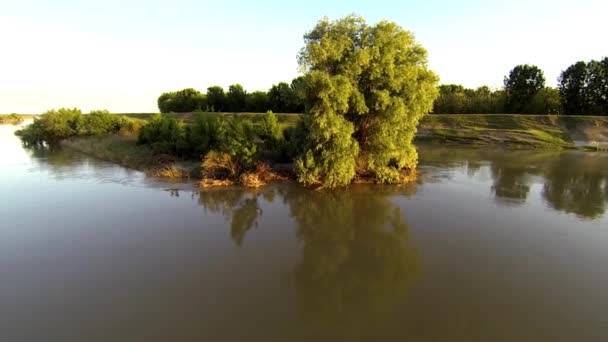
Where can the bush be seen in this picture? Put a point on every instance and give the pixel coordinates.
(294, 139)
(270, 131)
(165, 134)
(240, 141)
(205, 134)
(185, 100)
(53, 126)
(56, 125)
(100, 122)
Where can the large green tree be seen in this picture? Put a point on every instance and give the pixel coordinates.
(257, 102)
(583, 88)
(236, 98)
(216, 99)
(522, 85)
(181, 101)
(367, 88)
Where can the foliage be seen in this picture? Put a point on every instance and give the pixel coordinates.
(205, 134)
(256, 102)
(11, 118)
(295, 138)
(240, 141)
(165, 134)
(583, 88)
(182, 101)
(367, 87)
(521, 86)
(219, 165)
(546, 101)
(269, 131)
(64, 123)
(456, 99)
(286, 98)
(236, 98)
(216, 99)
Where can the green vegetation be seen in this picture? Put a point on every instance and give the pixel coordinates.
(186, 100)
(367, 88)
(512, 130)
(13, 118)
(521, 86)
(281, 98)
(524, 93)
(56, 125)
(583, 88)
(117, 148)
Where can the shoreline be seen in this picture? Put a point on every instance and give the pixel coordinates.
(520, 132)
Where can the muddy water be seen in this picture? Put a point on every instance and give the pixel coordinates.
(491, 245)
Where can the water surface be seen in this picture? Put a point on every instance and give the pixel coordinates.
(490, 245)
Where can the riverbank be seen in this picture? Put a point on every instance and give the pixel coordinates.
(510, 131)
(516, 131)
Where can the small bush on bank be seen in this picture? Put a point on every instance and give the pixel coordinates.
(165, 134)
(64, 123)
(240, 141)
(270, 132)
(205, 134)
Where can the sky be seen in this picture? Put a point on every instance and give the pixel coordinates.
(121, 55)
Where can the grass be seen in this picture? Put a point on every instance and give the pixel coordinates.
(120, 149)
(169, 171)
(511, 130)
(286, 119)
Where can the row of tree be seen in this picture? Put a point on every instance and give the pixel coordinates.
(281, 98)
(582, 90)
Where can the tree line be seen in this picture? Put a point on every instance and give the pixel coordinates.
(280, 98)
(582, 90)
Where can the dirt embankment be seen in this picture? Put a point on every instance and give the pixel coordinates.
(516, 130)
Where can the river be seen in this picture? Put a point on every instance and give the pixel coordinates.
(490, 245)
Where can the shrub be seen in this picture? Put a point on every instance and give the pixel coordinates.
(240, 141)
(165, 134)
(100, 122)
(270, 131)
(205, 134)
(219, 165)
(294, 139)
(56, 125)
(53, 126)
(185, 100)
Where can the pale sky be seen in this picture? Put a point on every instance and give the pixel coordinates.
(121, 55)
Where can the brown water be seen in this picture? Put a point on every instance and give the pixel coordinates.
(491, 245)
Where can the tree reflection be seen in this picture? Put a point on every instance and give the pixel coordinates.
(510, 182)
(577, 184)
(357, 256)
(238, 205)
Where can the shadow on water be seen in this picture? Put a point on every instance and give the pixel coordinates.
(357, 258)
(572, 182)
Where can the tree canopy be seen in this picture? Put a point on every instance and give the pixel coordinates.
(185, 100)
(522, 85)
(367, 88)
(583, 88)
